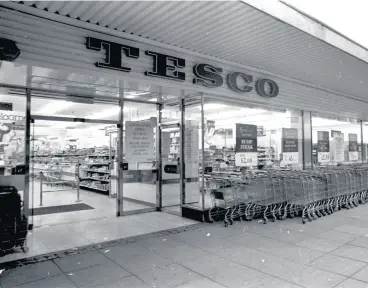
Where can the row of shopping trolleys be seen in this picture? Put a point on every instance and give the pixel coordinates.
(276, 195)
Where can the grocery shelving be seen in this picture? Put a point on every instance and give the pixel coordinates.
(95, 172)
(94, 166)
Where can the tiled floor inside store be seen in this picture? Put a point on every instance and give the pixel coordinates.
(329, 252)
(103, 205)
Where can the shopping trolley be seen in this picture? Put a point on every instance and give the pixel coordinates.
(275, 195)
(224, 200)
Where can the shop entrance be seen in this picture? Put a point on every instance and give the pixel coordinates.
(72, 169)
(73, 159)
(170, 168)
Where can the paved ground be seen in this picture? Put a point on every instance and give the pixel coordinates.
(73, 233)
(329, 252)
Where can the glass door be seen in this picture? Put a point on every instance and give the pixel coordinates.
(73, 170)
(170, 168)
(139, 157)
(54, 166)
(74, 166)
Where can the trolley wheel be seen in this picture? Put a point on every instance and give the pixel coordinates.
(245, 218)
(304, 221)
(226, 224)
(265, 221)
(210, 218)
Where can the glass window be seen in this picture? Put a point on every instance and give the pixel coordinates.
(335, 142)
(192, 148)
(239, 138)
(12, 142)
(365, 142)
(139, 155)
(13, 73)
(12, 132)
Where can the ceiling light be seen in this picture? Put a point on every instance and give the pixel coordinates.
(135, 94)
(114, 111)
(54, 107)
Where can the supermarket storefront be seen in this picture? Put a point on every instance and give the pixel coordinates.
(199, 115)
(145, 127)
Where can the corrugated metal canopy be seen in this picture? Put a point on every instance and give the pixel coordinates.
(229, 30)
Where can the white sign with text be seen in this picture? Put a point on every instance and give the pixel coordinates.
(324, 157)
(139, 141)
(353, 155)
(246, 159)
(291, 157)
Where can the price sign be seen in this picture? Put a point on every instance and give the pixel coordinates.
(353, 156)
(290, 157)
(353, 147)
(323, 157)
(338, 148)
(246, 159)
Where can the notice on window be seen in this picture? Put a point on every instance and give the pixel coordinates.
(191, 148)
(246, 145)
(337, 147)
(353, 147)
(290, 151)
(139, 141)
(323, 144)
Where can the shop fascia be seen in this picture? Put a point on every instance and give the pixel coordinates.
(168, 67)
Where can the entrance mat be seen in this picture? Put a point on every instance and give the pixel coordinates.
(61, 209)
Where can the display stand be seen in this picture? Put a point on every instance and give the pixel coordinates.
(96, 176)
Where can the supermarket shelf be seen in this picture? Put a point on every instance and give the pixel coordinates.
(106, 192)
(97, 164)
(95, 179)
(93, 171)
(112, 156)
(66, 173)
(56, 155)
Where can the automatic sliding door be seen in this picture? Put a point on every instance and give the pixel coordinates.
(139, 156)
(75, 162)
(54, 165)
(170, 167)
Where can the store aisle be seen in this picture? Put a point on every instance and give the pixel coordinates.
(329, 252)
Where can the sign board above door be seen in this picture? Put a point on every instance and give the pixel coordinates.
(171, 68)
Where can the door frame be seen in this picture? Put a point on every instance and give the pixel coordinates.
(155, 206)
(35, 117)
(175, 124)
(73, 119)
